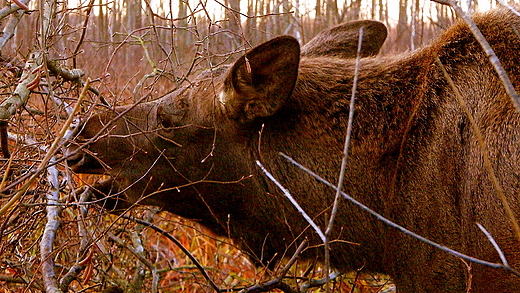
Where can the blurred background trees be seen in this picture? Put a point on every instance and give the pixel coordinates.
(175, 32)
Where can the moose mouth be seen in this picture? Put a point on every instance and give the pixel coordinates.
(75, 161)
(81, 162)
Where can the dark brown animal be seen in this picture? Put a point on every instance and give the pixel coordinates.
(413, 155)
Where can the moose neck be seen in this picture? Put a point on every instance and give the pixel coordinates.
(316, 115)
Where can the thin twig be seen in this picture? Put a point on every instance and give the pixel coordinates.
(53, 199)
(505, 4)
(495, 244)
(178, 244)
(293, 259)
(313, 283)
(155, 70)
(101, 132)
(79, 266)
(504, 77)
(44, 164)
(142, 259)
(19, 280)
(293, 201)
(83, 32)
(277, 283)
(342, 172)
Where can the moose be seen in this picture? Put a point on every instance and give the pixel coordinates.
(414, 156)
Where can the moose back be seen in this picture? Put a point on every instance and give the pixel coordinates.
(413, 156)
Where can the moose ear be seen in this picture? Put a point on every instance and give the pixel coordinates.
(342, 40)
(260, 82)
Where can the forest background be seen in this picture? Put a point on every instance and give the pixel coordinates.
(130, 50)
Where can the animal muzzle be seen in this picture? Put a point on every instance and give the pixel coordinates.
(81, 162)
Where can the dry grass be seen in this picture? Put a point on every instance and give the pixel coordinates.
(109, 263)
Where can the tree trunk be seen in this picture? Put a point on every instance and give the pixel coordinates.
(403, 34)
(233, 24)
(251, 31)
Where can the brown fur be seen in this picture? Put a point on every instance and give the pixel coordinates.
(341, 40)
(413, 157)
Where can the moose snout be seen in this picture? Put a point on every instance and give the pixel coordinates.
(74, 157)
(80, 161)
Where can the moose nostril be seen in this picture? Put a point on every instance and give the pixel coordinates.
(166, 125)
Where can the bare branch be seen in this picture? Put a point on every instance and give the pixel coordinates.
(9, 28)
(509, 7)
(90, 5)
(319, 282)
(44, 164)
(20, 280)
(79, 266)
(53, 203)
(504, 77)
(54, 209)
(277, 283)
(74, 75)
(155, 70)
(294, 202)
(495, 244)
(184, 250)
(49, 234)
(33, 173)
(142, 259)
(30, 79)
(343, 168)
(293, 259)
(8, 9)
(21, 5)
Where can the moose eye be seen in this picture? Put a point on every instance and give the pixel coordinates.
(167, 122)
(170, 116)
(167, 125)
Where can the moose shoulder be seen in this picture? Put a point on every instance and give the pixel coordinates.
(413, 157)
